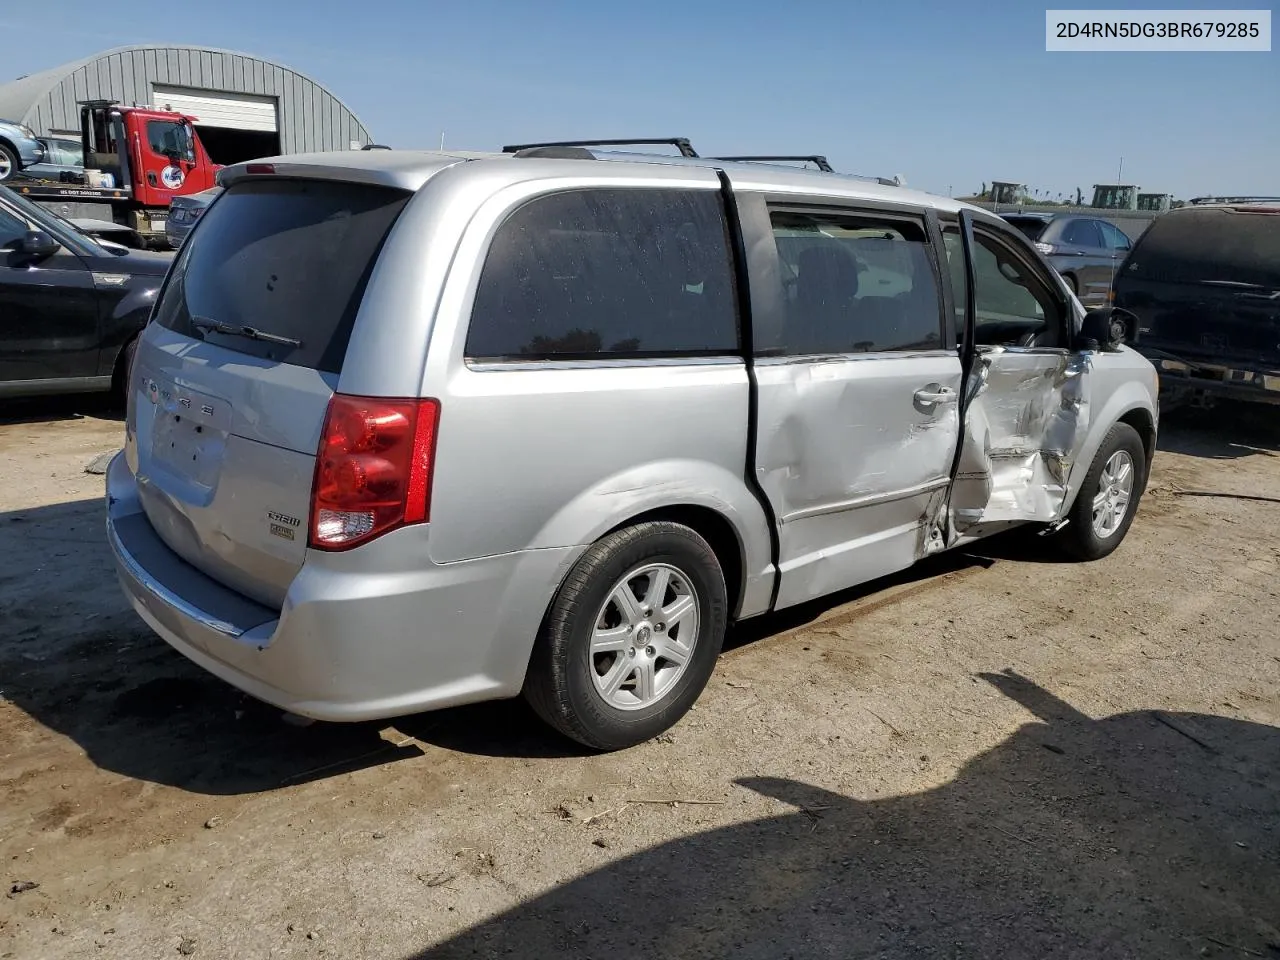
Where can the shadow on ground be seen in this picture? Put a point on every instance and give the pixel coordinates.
(1141, 835)
(1226, 432)
(78, 661)
(75, 659)
(64, 407)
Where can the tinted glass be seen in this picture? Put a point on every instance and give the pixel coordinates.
(1220, 245)
(1014, 308)
(1030, 227)
(168, 138)
(37, 218)
(289, 258)
(1113, 236)
(1082, 233)
(607, 273)
(856, 284)
(11, 230)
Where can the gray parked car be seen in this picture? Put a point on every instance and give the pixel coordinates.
(1087, 251)
(411, 430)
(184, 211)
(19, 149)
(63, 161)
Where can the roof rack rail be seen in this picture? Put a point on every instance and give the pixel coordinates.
(1202, 200)
(680, 143)
(816, 159)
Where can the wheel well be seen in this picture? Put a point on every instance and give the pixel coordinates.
(118, 372)
(717, 531)
(1141, 421)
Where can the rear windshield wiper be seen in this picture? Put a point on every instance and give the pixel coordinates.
(252, 333)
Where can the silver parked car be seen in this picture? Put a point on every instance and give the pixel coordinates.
(413, 430)
(184, 211)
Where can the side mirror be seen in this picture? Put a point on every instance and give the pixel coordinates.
(1105, 328)
(37, 244)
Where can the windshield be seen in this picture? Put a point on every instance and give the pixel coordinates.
(62, 230)
(1237, 247)
(1113, 198)
(1031, 227)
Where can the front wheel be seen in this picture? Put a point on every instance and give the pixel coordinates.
(1108, 498)
(9, 163)
(631, 638)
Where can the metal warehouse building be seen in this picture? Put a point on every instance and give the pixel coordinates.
(244, 106)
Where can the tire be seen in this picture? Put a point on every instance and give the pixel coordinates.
(611, 699)
(1080, 538)
(9, 163)
(120, 376)
(1070, 278)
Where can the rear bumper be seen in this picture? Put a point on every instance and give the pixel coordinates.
(362, 635)
(1219, 380)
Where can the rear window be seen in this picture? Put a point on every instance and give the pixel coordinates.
(286, 257)
(607, 273)
(1214, 245)
(1030, 227)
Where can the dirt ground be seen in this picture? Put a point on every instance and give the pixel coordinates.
(997, 755)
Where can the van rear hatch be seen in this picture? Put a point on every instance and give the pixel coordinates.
(1205, 284)
(235, 373)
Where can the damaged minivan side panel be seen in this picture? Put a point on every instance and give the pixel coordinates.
(858, 393)
(1026, 420)
(1026, 407)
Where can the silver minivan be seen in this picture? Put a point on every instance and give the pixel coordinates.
(410, 430)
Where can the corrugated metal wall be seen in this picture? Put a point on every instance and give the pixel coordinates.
(310, 117)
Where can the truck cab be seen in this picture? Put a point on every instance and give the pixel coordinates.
(1115, 196)
(155, 153)
(136, 160)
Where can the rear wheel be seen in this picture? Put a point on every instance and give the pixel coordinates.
(120, 376)
(631, 638)
(8, 163)
(1108, 498)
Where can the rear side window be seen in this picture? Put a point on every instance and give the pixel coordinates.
(1082, 233)
(1030, 227)
(607, 273)
(287, 257)
(1210, 245)
(855, 283)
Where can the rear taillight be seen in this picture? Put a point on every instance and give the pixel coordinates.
(260, 169)
(373, 469)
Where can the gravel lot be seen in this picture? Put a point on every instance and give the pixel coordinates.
(995, 756)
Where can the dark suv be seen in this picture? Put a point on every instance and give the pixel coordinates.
(71, 307)
(1204, 284)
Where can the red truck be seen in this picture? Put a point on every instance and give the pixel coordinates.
(136, 159)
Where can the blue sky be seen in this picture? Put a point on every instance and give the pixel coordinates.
(949, 94)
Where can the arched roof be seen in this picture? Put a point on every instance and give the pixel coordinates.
(310, 117)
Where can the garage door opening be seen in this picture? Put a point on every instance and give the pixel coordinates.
(234, 127)
(227, 146)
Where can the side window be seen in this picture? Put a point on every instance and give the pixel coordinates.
(855, 283)
(1014, 306)
(1082, 233)
(607, 273)
(169, 139)
(953, 247)
(1114, 237)
(12, 229)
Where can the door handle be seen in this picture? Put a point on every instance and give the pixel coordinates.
(936, 397)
